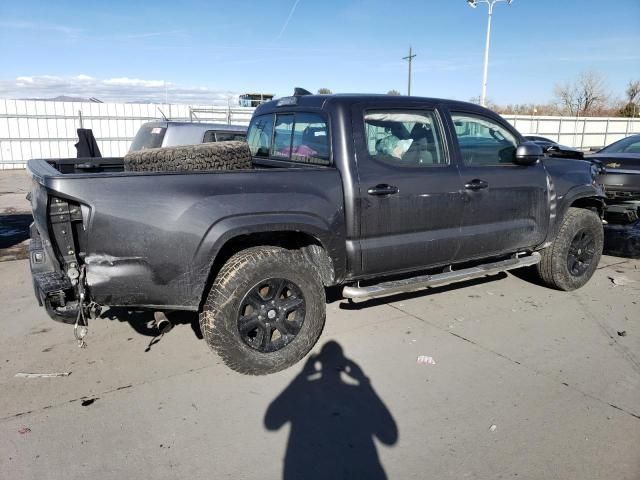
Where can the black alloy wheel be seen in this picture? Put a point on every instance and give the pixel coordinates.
(271, 314)
(581, 253)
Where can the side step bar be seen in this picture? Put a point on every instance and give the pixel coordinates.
(449, 276)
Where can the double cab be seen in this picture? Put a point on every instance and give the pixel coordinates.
(376, 194)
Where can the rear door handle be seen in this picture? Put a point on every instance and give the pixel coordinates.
(383, 189)
(476, 184)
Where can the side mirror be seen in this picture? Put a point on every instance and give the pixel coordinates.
(528, 154)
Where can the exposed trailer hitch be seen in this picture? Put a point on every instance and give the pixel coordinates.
(92, 310)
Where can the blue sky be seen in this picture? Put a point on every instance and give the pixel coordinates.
(205, 49)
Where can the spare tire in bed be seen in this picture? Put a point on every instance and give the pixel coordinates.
(205, 156)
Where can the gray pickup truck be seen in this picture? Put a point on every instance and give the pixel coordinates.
(377, 194)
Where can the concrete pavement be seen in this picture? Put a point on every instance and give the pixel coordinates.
(548, 369)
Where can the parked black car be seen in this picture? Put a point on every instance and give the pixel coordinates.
(622, 163)
(554, 149)
(379, 194)
(542, 141)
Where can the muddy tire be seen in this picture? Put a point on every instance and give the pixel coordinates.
(265, 310)
(207, 156)
(570, 261)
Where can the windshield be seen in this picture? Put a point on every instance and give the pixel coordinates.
(626, 145)
(149, 136)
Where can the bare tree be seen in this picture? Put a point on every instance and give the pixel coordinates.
(527, 109)
(324, 91)
(633, 91)
(584, 96)
(393, 92)
(633, 95)
(490, 104)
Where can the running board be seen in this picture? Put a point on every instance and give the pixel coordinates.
(449, 276)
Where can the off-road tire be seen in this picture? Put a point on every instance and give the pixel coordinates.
(219, 318)
(233, 155)
(553, 268)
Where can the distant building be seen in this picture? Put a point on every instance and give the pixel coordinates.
(254, 99)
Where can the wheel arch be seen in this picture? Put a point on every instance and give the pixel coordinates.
(317, 245)
(579, 197)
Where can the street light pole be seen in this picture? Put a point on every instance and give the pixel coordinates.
(485, 73)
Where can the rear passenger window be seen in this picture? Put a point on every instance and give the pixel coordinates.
(404, 138)
(302, 138)
(282, 137)
(483, 141)
(310, 139)
(259, 135)
(295, 137)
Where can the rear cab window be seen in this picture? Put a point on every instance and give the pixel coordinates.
(299, 137)
(149, 136)
(221, 136)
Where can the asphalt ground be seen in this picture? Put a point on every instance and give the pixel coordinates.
(494, 378)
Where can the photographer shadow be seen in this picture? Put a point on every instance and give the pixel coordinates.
(334, 414)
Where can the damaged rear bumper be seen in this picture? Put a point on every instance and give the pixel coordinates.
(52, 288)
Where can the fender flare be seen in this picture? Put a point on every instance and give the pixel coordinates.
(228, 228)
(575, 193)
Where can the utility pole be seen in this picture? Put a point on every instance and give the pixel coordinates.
(409, 59)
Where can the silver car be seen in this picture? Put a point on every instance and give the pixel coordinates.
(171, 133)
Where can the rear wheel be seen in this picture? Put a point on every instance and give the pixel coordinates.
(265, 310)
(570, 261)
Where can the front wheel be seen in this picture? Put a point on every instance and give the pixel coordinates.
(265, 310)
(571, 260)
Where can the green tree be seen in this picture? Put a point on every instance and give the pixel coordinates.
(324, 91)
(393, 92)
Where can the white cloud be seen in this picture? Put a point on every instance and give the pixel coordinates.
(117, 89)
(134, 82)
(40, 26)
(166, 33)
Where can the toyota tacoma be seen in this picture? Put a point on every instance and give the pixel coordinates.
(373, 193)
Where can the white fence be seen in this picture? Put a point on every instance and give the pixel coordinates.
(42, 129)
(579, 132)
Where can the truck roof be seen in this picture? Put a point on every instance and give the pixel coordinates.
(326, 102)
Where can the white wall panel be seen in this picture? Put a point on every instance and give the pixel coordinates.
(48, 129)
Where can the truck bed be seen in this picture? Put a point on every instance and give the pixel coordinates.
(91, 165)
(149, 238)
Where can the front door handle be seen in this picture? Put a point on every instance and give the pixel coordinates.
(383, 189)
(476, 184)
